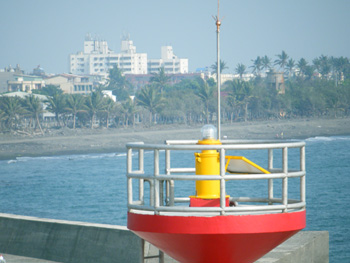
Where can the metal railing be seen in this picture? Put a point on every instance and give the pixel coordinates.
(162, 198)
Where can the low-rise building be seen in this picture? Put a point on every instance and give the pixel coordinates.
(231, 77)
(71, 84)
(6, 75)
(141, 80)
(25, 83)
(276, 81)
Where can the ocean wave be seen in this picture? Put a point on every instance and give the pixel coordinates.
(319, 138)
(69, 157)
(122, 154)
(328, 139)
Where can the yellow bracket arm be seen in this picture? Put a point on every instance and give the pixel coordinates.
(241, 165)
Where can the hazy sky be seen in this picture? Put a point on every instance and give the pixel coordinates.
(45, 32)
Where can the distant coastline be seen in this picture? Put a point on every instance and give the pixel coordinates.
(67, 141)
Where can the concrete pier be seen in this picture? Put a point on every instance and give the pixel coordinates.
(49, 240)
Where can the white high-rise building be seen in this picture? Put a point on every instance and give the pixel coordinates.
(171, 63)
(97, 59)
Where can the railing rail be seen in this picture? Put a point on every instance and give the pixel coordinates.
(162, 199)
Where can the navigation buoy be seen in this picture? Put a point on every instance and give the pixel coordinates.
(208, 229)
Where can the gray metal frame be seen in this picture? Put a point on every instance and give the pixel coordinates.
(164, 202)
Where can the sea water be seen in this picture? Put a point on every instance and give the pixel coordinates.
(92, 188)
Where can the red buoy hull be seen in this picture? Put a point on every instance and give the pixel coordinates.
(238, 238)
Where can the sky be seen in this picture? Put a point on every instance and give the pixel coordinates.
(45, 32)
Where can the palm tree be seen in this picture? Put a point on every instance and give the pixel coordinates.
(56, 105)
(290, 66)
(323, 65)
(115, 78)
(118, 84)
(160, 79)
(257, 66)
(282, 59)
(48, 90)
(241, 94)
(302, 66)
(34, 106)
(75, 104)
(128, 109)
(205, 93)
(241, 70)
(94, 104)
(110, 109)
(339, 65)
(11, 110)
(266, 63)
(151, 99)
(214, 67)
(231, 103)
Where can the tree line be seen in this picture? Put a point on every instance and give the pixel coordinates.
(320, 89)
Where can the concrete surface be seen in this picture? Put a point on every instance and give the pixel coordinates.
(304, 247)
(51, 241)
(19, 259)
(67, 241)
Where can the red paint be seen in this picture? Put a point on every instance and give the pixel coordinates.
(199, 202)
(191, 239)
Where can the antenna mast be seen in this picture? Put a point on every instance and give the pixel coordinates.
(218, 73)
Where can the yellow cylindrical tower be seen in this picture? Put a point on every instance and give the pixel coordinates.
(208, 163)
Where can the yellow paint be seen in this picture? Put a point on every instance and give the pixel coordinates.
(208, 163)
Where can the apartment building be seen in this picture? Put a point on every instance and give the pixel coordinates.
(97, 59)
(171, 63)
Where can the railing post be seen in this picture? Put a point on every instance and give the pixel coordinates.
(142, 250)
(302, 178)
(156, 181)
(161, 257)
(169, 183)
(285, 179)
(129, 170)
(141, 181)
(270, 167)
(222, 182)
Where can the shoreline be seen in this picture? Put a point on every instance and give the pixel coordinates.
(66, 141)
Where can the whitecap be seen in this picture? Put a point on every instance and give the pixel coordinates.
(122, 154)
(328, 139)
(319, 138)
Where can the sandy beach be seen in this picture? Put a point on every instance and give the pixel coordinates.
(68, 141)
